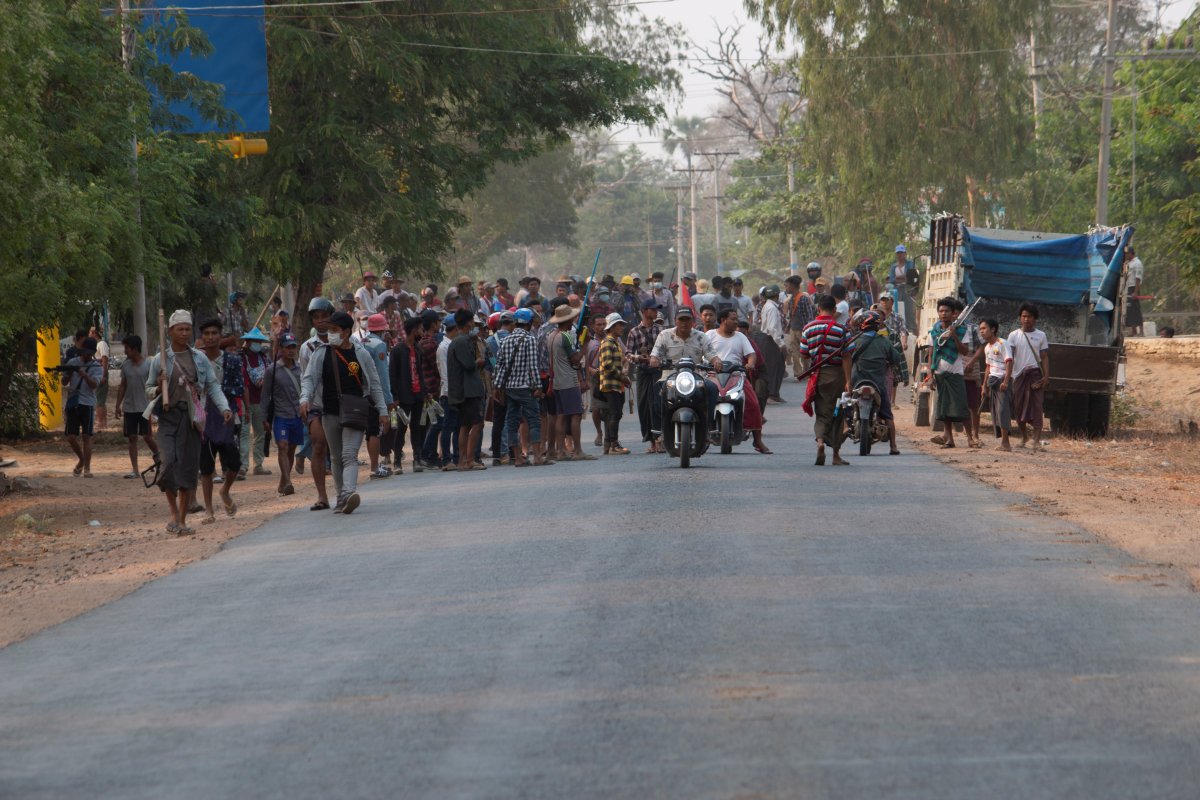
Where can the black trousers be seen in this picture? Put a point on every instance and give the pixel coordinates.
(773, 364)
(649, 402)
(416, 432)
(613, 410)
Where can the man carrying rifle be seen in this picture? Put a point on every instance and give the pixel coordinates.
(826, 346)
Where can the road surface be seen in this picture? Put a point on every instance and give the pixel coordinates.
(755, 627)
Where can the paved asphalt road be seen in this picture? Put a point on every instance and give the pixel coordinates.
(752, 628)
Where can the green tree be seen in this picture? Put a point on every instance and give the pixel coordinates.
(911, 105)
(383, 122)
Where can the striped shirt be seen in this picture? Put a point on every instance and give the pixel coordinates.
(823, 337)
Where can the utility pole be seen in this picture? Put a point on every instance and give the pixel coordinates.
(717, 159)
(792, 262)
(1035, 76)
(1110, 62)
(679, 190)
(128, 41)
(691, 171)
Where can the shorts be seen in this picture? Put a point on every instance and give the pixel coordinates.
(288, 431)
(231, 459)
(568, 402)
(80, 420)
(884, 412)
(974, 395)
(136, 424)
(470, 412)
(372, 431)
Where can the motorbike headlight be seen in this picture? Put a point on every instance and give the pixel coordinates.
(735, 395)
(670, 383)
(685, 383)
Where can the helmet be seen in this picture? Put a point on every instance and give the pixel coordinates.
(814, 269)
(493, 321)
(869, 320)
(523, 316)
(771, 290)
(320, 304)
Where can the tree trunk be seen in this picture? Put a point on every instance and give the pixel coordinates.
(972, 191)
(308, 285)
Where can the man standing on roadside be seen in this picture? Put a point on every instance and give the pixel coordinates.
(800, 312)
(639, 345)
(189, 382)
(997, 392)
(947, 364)
(772, 342)
(81, 404)
(131, 399)
(464, 367)
(565, 358)
(253, 439)
(517, 377)
(377, 348)
(409, 391)
(745, 306)
(1031, 372)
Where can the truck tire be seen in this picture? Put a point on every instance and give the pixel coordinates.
(1099, 411)
(1075, 414)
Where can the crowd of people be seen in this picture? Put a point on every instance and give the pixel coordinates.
(388, 367)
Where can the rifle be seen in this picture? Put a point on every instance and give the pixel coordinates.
(959, 320)
(587, 294)
(63, 368)
(822, 362)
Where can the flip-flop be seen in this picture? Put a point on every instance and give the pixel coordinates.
(320, 505)
(172, 527)
(230, 507)
(838, 461)
(186, 530)
(131, 476)
(209, 520)
(947, 446)
(894, 453)
(289, 489)
(766, 451)
(78, 470)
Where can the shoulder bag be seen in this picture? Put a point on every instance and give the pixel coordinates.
(355, 410)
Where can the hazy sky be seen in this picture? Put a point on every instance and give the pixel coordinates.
(701, 18)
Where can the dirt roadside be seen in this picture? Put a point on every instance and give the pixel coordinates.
(1137, 490)
(55, 564)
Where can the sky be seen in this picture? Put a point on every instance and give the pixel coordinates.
(701, 18)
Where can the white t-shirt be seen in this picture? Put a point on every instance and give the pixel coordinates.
(443, 352)
(997, 354)
(735, 349)
(366, 299)
(1023, 350)
(843, 312)
(1136, 270)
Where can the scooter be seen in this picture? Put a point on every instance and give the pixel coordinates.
(861, 404)
(731, 403)
(684, 412)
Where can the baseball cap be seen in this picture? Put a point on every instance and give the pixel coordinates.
(368, 274)
(287, 340)
(523, 315)
(235, 296)
(684, 311)
(650, 302)
(689, 276)
(901, 248)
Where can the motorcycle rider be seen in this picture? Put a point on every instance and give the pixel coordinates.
(732, 346)
(873, 354)
(684, 341)
(814, 271)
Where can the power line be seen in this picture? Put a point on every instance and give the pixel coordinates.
(199, 10)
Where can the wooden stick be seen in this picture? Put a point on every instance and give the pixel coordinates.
(274, 292)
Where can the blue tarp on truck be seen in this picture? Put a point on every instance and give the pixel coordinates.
(1051, 270)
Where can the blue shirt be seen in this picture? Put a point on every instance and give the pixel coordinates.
(379, 354)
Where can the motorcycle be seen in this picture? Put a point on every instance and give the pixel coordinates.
(684, 412)
(731, 403)
(863, 424)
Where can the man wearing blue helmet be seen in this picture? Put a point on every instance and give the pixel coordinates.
(315, 448)
(255, 358)
(520, 385)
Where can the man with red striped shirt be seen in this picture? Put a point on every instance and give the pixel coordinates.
(824, 340)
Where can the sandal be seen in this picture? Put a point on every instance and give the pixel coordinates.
(185, 530)
(208, 520)
(320, 505)
(131, 476)
(78, 470)
(766, 451)
(172, 527)
(894, 453)
(286, 490)
(948, 445)
(939, 440)
(230, 508)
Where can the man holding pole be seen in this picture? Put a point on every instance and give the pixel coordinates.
(824, 345)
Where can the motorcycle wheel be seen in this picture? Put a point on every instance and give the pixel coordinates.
(684, 442)
(726, 436)
(864, 437)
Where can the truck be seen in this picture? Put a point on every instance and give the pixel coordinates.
(1077, 281)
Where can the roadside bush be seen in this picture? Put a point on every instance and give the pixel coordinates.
(1124, 413)
(19, 407)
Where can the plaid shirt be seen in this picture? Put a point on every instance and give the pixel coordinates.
(610, 366)
(800, 311)
(427, 348)
(517, 362)
(641, 340)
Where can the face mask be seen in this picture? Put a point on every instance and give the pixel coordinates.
(656, 285)
(335, 339)
(255, 347)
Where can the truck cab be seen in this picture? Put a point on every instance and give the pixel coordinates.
(1077, 281)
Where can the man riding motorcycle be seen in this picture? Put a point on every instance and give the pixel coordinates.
(734, 347)
(872, 356)
(684, 341)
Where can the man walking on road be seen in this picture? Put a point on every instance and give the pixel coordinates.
(341, 381)
(131, 399)
(824, 343)
(253, 439)
(220, 439)
(281, 388)
(319, 311)
(81, 404)
(189, 381)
